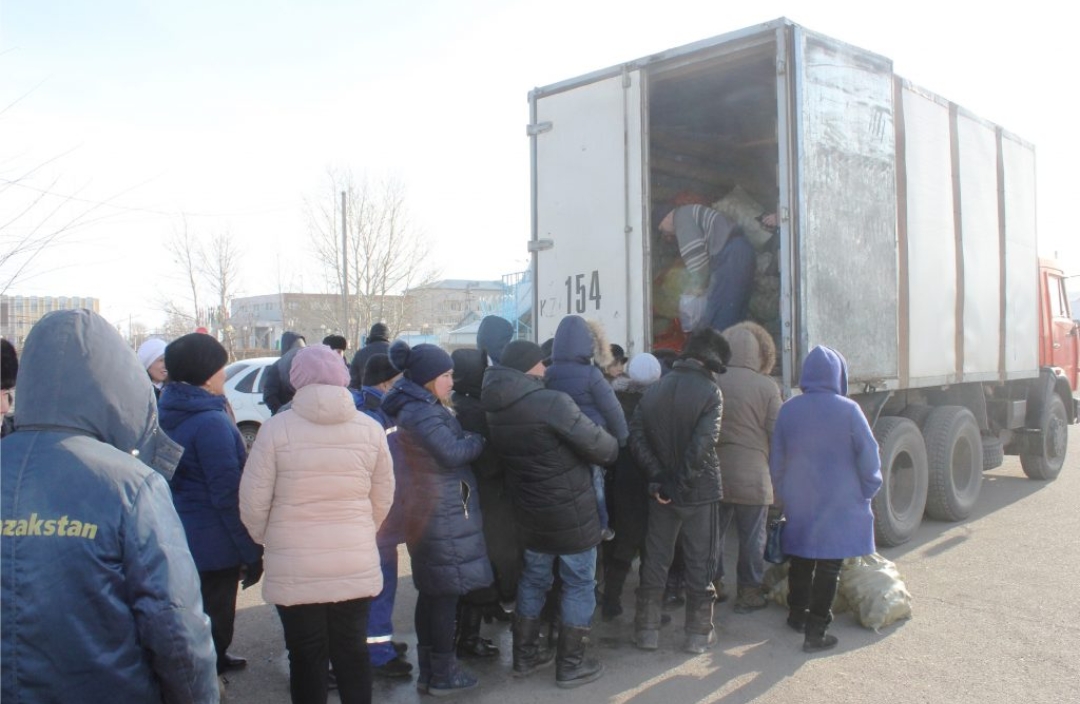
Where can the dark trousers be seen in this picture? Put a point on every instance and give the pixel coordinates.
(436, 621)
(318, 635)
(812, 585)
(695, 530)
(219, 603)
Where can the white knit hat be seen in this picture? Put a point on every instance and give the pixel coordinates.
(643, 368)
(150, 351)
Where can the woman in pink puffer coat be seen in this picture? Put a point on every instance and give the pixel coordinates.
(318, 483)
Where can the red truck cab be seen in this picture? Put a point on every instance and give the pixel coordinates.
(1059, 337)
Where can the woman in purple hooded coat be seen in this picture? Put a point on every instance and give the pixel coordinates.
(825, 470)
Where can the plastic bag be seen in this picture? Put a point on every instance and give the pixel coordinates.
(744, 211)
(876, 591)
(691, 311)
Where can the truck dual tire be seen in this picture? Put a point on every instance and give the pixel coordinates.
(1046, 464)
(954, 454)
(899, 504)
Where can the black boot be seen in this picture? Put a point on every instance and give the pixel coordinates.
(447, 677)
(700, 634)
(800, 579)
(796, 619)
(572, 668)
(423, 659)
(469, 642)
(528, 655)
(647, 619)
(817, 639)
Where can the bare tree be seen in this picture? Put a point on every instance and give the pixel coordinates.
(210, 270)
(220, 269)
(385, 253)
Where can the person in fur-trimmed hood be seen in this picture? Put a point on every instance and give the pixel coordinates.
(751, 403)
(578, 355)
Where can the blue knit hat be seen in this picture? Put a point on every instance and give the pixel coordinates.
(422, 363)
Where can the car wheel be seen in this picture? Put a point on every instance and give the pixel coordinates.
(248, 431)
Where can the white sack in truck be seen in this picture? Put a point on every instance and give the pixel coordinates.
(744, 211)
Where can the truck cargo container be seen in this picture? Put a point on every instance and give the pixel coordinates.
(906, 240)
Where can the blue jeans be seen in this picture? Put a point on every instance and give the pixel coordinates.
(750, 525)
(731, 279)
(578, 573)
(380, 626)
(601, 497)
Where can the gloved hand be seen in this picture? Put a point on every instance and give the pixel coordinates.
(251, 573)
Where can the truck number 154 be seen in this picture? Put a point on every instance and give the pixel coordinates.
(576, 295)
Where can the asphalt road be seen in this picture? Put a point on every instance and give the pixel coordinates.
(996, 621)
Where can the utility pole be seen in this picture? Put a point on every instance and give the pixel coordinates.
(344, 271)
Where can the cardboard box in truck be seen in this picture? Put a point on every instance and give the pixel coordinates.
(906, 240)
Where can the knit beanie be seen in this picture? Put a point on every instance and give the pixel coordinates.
(422, 363)
(150, 350)
(522, 355)
(194, 358)
(378, 369)
(317, 364)
(379, 333)
(492, 336)
(644, 368)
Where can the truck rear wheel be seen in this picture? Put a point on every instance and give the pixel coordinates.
(898, 506)
(1055, 441)
(954, 452)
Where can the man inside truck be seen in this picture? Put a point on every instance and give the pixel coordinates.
(719, 262)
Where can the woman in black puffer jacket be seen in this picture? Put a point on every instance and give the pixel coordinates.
(443, 531)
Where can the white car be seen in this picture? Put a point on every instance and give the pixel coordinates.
(244, 382)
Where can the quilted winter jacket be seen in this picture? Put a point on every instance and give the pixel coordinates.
(547, 444)
(318, 484)
(99, 595)
(443, 525)
(207, 479)
(751, 402)
(577, 343)
(674, 432)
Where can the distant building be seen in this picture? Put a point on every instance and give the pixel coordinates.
(442, 306)
(19, 313)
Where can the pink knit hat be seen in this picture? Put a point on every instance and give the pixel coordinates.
(318, 364)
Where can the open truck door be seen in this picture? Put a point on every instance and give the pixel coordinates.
(588, 222)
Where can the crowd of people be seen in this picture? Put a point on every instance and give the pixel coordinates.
(518, 476)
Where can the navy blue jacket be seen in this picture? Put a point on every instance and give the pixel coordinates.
(368, 399)
(100, 598)
(206, 485)
(444, 530)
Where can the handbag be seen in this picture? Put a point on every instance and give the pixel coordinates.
(774, 553)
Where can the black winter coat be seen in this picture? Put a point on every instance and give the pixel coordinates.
(547, 445)
(500, 528)
(674, 433)
(443, 527)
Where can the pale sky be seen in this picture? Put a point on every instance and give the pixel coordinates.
(230, 113)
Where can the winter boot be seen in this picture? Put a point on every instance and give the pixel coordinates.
(528, 655)
(469, 642)
(647, 619)
(721, 593)
(750, 599)
(796, 619)
(423, 660)
(447, 677)
(817, 638)
(700, 634)
(572, 668)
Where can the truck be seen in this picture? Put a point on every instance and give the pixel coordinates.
(906, 240)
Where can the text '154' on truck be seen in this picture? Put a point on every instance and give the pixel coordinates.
(906, 240)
